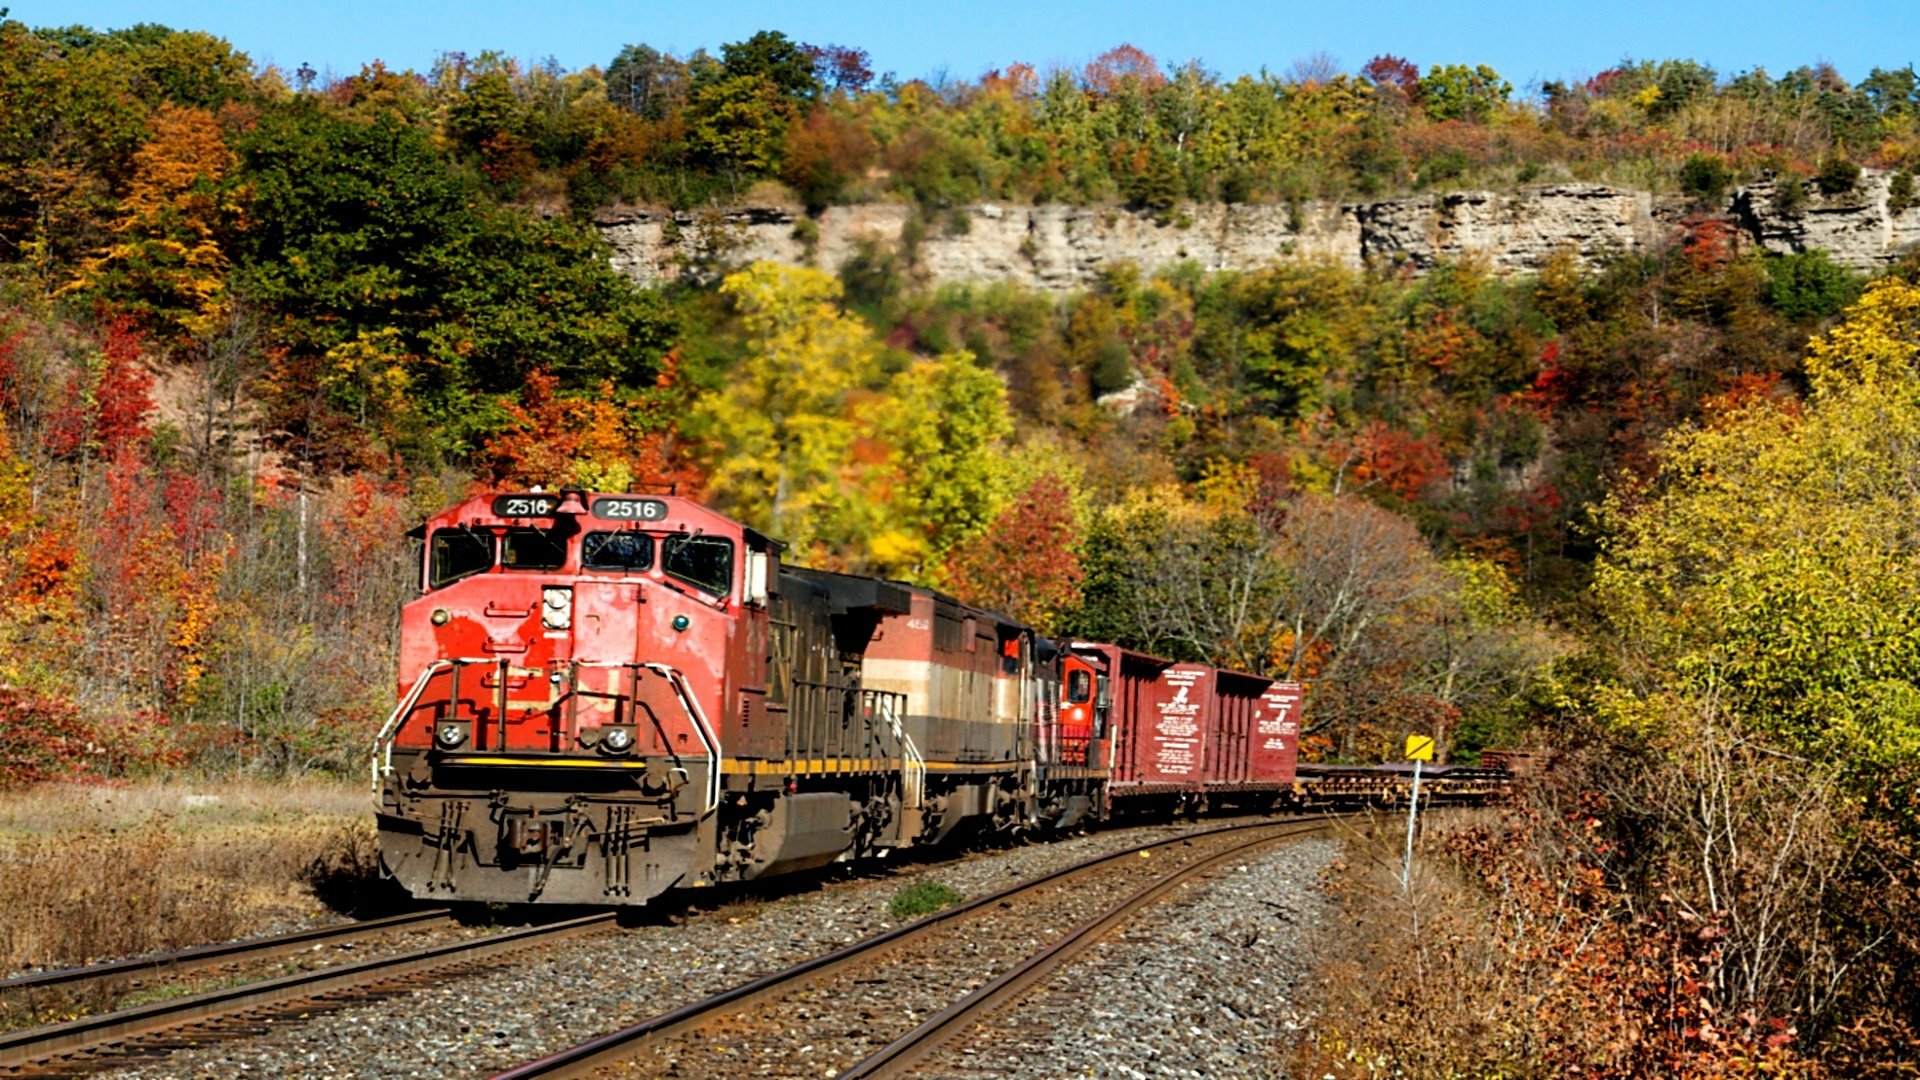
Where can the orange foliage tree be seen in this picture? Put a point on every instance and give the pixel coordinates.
(599, 441)
(1027, 562)
(166, 262)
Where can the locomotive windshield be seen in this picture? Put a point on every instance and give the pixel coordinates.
(533, 549)
(458, 553)
(1079, 686)
(702, 561)
(617, 551)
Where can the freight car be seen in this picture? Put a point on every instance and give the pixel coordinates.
(606, 696)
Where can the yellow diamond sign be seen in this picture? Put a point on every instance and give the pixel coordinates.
(1419, 748)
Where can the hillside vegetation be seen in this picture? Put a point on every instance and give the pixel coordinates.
(1657, 515)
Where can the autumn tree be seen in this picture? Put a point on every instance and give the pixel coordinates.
(781, 431)
(168, 262)
(1772, 563)
(1026, 562)
(943, 423)
(824, 155)
(605, 439)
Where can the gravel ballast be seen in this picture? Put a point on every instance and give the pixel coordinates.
(1205, 984)
(547, 1000)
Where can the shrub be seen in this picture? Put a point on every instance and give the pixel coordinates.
(1900, 193)
(1446, 165)
(1705, 176)
(807, 232)
(872, 275)
(1809, 286)
(923, 897)
(1790, 193)
(1837, 176)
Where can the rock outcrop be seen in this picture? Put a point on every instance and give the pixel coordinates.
(1067, 247)
(1858, 228)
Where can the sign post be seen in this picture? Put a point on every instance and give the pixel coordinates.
(1419, 749)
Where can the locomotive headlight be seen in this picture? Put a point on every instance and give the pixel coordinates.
(556, 607)
(450, 735)
(619, 740)
(440, 616)
(681, 622)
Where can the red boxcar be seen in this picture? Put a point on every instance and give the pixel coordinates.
(1254, 743)
(1191, 730)
(1275, 747)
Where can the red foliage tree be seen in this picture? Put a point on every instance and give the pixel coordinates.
(841, 67)
(1121, 67)
(550, 438)
(1394, 77)
(1027, 563)
(42, 738)
(123, 400)
(104, 410)
(1405, 464)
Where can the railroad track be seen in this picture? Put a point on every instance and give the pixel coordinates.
(118, 1038)
(134, 972)
(611, 1049)
(899, 1056)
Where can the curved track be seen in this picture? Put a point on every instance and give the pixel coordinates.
(615, 1047)
(897, 1057)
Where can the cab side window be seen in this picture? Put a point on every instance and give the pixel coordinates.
(533, 549)
(705, 562)
(458, 553)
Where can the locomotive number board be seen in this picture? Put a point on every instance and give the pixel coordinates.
(525, 506)
(630, 509)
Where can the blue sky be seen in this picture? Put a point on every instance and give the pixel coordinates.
(1525, 41)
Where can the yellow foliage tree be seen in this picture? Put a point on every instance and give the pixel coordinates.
(782, 432)
(811, 441)
(166, 260)
(1776, 564)
(1877, 342)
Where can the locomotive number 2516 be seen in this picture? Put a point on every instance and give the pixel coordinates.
(630, 509)
(524, 506)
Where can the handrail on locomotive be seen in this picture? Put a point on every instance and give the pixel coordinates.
(710, 742)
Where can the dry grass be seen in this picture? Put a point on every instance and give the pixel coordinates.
(90, 873)
(1408, 982)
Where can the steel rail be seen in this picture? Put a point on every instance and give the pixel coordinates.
(35, 1047)
(221, 953)
(615, 1046)
(897, 1057)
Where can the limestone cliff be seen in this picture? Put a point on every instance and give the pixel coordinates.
(1065, 247)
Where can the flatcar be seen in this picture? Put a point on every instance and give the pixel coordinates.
(605, 696)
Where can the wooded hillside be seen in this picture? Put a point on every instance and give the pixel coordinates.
(1657, 514)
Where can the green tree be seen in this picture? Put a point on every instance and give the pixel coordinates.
(1459, 92)
(788, 66)
(358, 227)
(1809, 285)
(738, 124)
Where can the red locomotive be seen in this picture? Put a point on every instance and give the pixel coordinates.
(606, 696)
